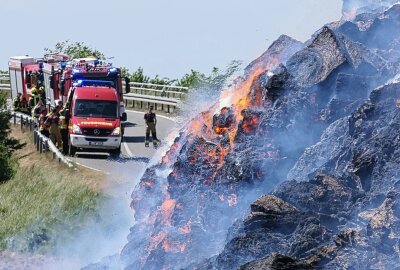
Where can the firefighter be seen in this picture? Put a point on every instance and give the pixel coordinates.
(42, 94)
(28, 79)
(63, 128)
(44, 125)
(37, 110)
(17, 102)
(34, 99)
(54, 131)
(164, 92)
(40, 78)
(151, 122)
(34, 79)
(24, 105)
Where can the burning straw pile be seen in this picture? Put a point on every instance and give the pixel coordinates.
(195, 202)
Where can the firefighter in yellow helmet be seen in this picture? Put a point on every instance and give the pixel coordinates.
(42, 94)
(34, 99)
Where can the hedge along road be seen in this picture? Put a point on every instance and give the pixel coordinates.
(134, 155)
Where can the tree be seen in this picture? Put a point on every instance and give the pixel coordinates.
(75, 50)
(191, 80)
(215, 80)
(163, 81)
(138, 76)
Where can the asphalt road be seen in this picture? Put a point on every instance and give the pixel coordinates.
(134, 157)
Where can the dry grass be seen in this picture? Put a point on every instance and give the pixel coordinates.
(45, 201)
(28, 157)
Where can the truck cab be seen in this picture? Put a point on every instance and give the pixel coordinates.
(94, 117)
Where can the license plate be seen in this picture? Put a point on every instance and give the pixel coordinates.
(96, 143)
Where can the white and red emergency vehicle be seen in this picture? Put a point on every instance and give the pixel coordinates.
(91, 90)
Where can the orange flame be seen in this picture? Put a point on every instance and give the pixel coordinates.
(156, 240)
(147, 184)
(186, 229)
(167, 208)
(249, 125)
(173, 247)
(237, 99)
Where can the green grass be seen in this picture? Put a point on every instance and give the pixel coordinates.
(41, 205)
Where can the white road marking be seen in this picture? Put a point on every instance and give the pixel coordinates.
(90, 168)
(128, 151)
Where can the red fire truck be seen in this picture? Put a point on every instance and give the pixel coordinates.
(27, 72)
(91, 90)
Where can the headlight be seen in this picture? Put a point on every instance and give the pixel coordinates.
(116, 132)
(76, 129)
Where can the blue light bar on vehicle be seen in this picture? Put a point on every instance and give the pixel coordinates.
(75, 70)
(81, 83)
(113, 70)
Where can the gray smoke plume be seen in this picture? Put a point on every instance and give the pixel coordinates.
(352, 8)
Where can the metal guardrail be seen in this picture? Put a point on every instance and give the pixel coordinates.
(137, 101)
(157, 92)
(160, 87)
(5, 82)
(43, 144)
(163, 97)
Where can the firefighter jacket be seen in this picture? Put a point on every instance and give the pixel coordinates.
(63, 120)
(16, 104)
(33, 100)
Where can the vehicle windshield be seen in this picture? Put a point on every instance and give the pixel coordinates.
(95, 108)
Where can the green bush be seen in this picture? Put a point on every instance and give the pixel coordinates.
(7, 145)
(7, 164)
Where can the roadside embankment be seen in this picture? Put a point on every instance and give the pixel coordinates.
(45, 202)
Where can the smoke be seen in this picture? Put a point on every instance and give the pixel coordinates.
(102, 235)
(352, 8)
(207, 91)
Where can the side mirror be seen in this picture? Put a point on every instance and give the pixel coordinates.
(124, 117)
(127, 85)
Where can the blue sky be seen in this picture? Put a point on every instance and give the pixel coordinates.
(167, 38)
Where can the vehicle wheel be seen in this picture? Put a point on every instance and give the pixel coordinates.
(71, 149)
(116, 151)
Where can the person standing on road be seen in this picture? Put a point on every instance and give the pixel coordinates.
(164, 92)
(151, 122)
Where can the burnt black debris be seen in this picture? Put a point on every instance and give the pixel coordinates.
(318, 131)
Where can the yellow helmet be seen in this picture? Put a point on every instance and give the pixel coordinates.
(41, 88)
(34, 91)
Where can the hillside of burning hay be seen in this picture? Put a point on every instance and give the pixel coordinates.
(309, 139)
